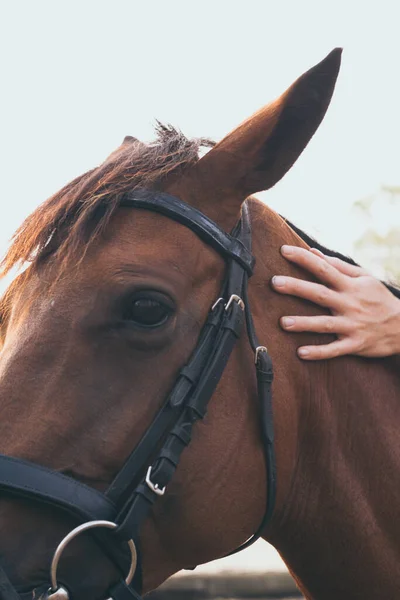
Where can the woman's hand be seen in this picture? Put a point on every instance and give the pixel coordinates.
(365, 315)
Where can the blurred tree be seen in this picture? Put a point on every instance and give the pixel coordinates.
(378, 248)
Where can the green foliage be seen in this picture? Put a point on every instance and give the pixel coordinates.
(380, 250)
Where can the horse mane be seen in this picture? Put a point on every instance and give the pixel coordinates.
(313, 243)
(70, 220)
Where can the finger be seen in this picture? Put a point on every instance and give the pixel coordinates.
(316, 265)
(343, 266)
(325, 351)
(315, 292)
(316, 324)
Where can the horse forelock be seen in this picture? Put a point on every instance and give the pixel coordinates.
(69, 221)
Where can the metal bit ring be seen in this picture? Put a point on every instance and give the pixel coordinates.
(74, 533)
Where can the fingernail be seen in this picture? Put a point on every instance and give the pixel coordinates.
(303, 352)
(278, 281)
(287, 321)
(285, 249)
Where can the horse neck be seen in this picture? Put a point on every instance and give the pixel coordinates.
(337, 520)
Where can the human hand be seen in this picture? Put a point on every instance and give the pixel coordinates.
(365, 314)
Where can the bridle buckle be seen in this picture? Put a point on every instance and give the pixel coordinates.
(154, 486)
(234, 298)
(214, 306)
(257, 352)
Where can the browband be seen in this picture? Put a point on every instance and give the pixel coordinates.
(170, 206)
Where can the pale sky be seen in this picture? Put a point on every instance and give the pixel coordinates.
(78, 76)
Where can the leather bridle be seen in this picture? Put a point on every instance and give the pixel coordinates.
(150, 467)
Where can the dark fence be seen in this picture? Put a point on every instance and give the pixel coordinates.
(228, 585)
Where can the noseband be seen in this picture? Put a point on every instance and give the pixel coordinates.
(149, 469)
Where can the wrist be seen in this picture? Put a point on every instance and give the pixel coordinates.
(394, 329)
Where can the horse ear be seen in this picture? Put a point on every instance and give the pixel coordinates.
(128, 141)
(259, 152)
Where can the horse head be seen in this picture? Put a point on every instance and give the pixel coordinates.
(97, 329)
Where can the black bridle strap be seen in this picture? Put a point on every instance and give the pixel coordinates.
(241, 261)
(265, 374)
(229, 313)
(228, 246)
(32, 481)
(164, 466)
(167, 461)
(189, 375)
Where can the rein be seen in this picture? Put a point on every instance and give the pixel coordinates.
(148, 470)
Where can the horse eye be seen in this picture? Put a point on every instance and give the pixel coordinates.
(147, 312)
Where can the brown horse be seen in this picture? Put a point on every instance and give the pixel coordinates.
(81, 380)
